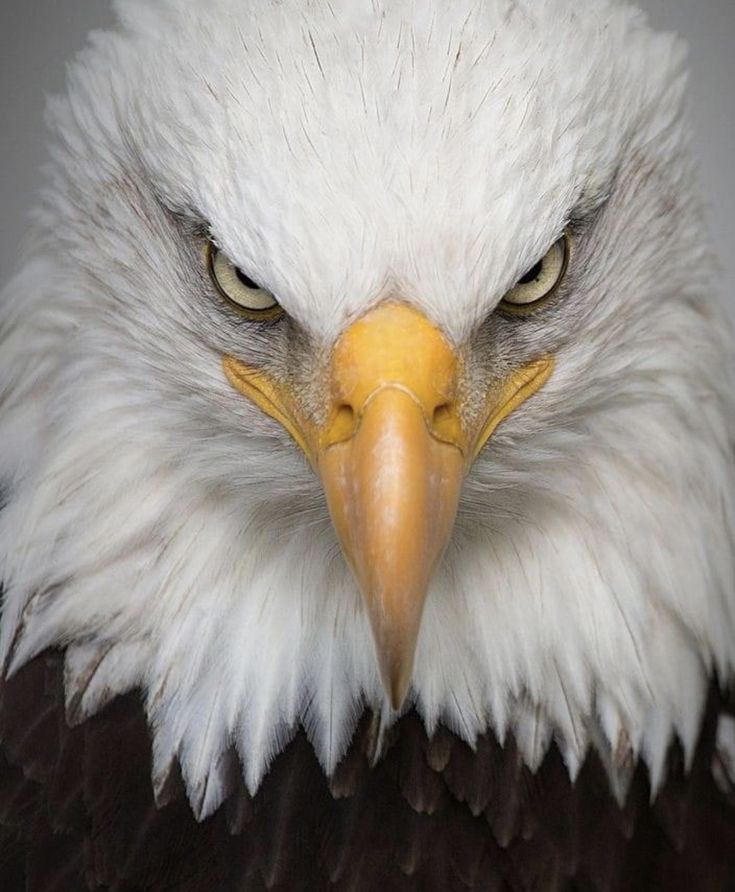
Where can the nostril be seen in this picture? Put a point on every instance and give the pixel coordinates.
(346, 412)
(442, 415)
(343, 425)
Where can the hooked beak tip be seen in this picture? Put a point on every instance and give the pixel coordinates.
(395, 649)
(397, 681)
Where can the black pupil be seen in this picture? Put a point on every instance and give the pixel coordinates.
(246, 280)
(532, 274)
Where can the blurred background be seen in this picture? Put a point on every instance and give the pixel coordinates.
(38, 36)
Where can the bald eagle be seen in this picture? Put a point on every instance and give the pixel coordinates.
(367, 423)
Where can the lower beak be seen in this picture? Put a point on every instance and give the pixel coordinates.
(392, 457)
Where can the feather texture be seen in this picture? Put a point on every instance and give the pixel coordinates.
(169, 535)
(477, 820)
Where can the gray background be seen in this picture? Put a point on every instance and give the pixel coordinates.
(37, 36)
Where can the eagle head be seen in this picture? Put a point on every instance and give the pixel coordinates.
(366, 356)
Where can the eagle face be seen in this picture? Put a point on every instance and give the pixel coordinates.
(368, 357)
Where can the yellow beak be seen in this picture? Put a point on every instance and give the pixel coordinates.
(392, 455)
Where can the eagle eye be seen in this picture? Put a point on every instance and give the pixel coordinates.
(541, 281)
(238, 289)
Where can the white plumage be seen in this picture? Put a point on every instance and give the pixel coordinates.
(173, 537)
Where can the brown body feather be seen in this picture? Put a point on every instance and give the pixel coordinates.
(77, 813)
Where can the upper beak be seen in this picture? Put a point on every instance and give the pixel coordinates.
(392, 455)
(391, 458)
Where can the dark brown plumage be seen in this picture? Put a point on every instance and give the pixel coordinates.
(77, 813)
